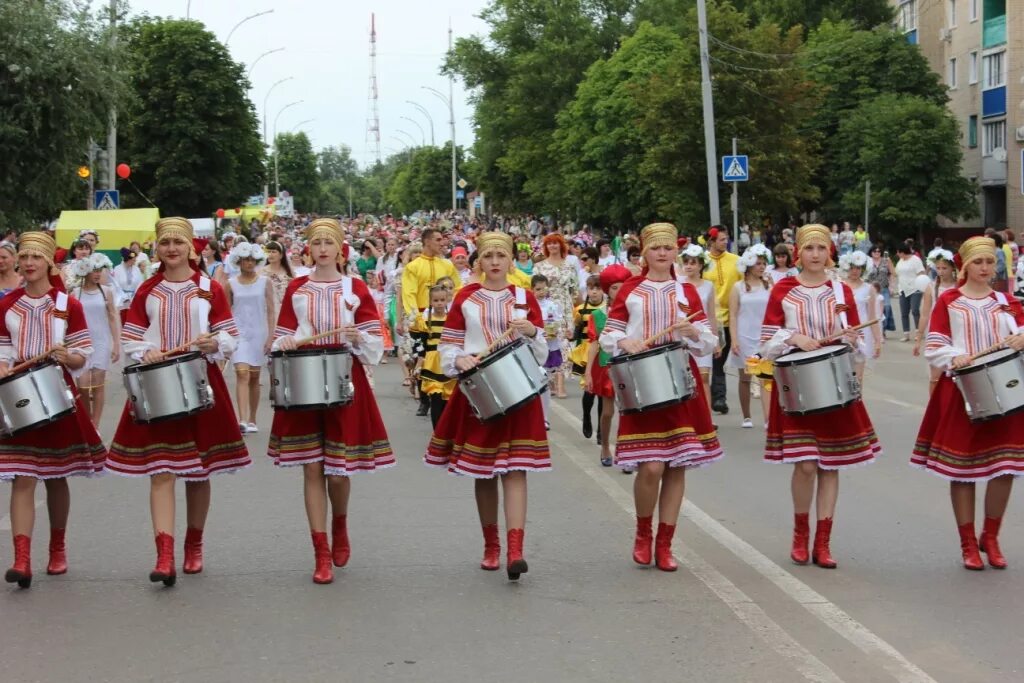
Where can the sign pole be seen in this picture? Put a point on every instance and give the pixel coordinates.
(735, 207)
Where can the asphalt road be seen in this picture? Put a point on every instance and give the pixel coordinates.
(413, 606)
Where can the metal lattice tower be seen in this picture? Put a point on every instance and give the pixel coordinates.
(373, 119)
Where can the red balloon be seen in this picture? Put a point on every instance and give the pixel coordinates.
(238, 211)
(270, 202)
(220, 213)
(123, 171)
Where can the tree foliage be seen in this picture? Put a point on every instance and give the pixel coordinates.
(863, 14)
(297, 169)
(424, 182)
(56, 89)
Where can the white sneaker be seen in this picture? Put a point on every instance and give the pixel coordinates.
(747, 423)
(252, 428)
(242, 427)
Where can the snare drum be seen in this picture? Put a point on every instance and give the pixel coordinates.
(173, 388)
(993, 385)
(504, 381)
(311, 379)
(652, 379)
(33, 398)
(810, 382)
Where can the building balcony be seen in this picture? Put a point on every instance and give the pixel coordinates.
(993, 171)
(994, 32)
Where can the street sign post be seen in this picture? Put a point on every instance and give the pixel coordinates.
(736, 170)
(108, 200)
(460, 194)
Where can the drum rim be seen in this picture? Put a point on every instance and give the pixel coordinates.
(174, 360)
(991, 418)
(492, 358)
(311, 351)
(651, 352)
(818, 411)
(659, 406)
(315, 406)
(970, 369)
(27, 371)
(839, 350)
(169, 418)
(35, 425)
(511, 409)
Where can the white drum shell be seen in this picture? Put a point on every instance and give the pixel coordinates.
(653, 379)
(34, 398)
(164, 391)
(809, 382)
(506, 382)
(992, 386)
(304, 380)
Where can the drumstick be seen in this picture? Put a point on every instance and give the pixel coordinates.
(508, 333)
(991, 349)
(869, 323)
(185, 346)
(668, 330)
(25, 364)
(321, 335)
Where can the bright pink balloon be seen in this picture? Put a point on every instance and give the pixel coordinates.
(220, 213)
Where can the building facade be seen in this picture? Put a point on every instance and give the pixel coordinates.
(977, 47)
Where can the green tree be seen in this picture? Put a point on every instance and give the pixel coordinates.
(336, 163)
(787, 13)
(56, 90)
(297, 169)
(908, 147)
(190, 134)
(425, 181)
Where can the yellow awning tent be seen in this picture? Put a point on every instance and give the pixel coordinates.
(116, 229)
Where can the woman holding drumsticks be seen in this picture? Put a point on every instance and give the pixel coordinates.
(966, 322)
(326, 309)
(486, 316)
(802, 311)
(661, 443)
(176, 311)
(39, 320)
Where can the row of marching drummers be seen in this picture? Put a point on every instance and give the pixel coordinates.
(178, 421)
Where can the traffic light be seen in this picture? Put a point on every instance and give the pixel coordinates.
(102, 175)
(84, 172)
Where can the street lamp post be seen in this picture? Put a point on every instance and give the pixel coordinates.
(277, 179)
(257, 60)
(300, 124)
(404, 146)
(248, 18)
(451, 122)
(416, 123)
(266, 183)
(408, 135)
(430, 119)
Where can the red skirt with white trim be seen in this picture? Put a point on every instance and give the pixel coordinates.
(839, 439)
(192, 447)
(463, 444)
(68, 447)
(681, 435)
(347, 439)
(602, 381)
(950, 446)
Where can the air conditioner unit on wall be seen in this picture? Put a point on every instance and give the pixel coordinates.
(946, 35)
(1020, 134)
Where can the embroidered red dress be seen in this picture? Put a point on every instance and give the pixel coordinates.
(70, 446)
(838, 439)
(948, 443)
(165, 315)
(681, 435)
(461, 443)
(349, 438)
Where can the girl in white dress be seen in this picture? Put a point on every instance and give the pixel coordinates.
(126, 276)
(854, 267)
(694, 262)
(251, 296)
(99, 305)
(941, 261)
(747, 303)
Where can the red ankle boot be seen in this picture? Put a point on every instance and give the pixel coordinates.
(663, 548)
(969, 547)
(193, 563)
(514, 563)
(822, 553)
(323, 573)
(492, 548)
(801, 538)
(989, 543)
(21, 571)
(340, 549)
(58, 556)
(164, 570)
(644, 538)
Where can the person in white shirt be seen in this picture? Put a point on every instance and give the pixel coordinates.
(908, 267)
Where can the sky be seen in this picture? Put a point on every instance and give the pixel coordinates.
(327, 55)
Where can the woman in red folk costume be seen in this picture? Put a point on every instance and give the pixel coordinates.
(661, 443)
(968, 320)
(179, 308)
(802, 310)
(331, 443)
(507, 447)
(36, 319)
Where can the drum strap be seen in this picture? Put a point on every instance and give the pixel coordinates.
(519, 312)
(346, 295)
(840, 294)
(1011, 321)
(59, 326)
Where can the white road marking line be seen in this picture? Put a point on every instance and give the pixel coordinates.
(744, 607)
(5, 521)
(901, 668)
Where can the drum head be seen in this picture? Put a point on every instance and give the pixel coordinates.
(989, 359)
(183, 358)
(657, 350)
(802, 357)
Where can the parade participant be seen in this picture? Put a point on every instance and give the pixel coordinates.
(460, 259)
(81, 250)
(723, 274)
(562, 276)
(942, 262)
(908, 268)
(422, 273)
(596, 379)
(664, 442)
(747, 304)
(126, 277)
(966, 321)
(507, 447)
(278, 270)
(39, 318)
(104, 326)
(694, 262)
(581, 351)
(855, 265)
(436, 385)
(801, 311)
(251, 297)
(523, 260)
(403, 337)
(9, 277)
(554, 331)
(176, 307)
(783, 263)
(331, 444)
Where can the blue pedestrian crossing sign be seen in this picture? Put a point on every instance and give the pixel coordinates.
(109, 200)
(460, 194)
(736, 169)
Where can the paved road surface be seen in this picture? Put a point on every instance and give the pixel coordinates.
(413, 606)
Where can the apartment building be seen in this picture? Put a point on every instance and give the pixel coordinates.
(977, 46)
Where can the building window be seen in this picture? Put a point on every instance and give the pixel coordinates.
(907, 18)
(952, 13)
(994, 137)
(972, 65)
(995, 69)
(972, 131)
(951, 76)
(973, 9)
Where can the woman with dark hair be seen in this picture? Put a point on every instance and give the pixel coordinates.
(213, 263)
(908, 268)
(278, 270)
(880, 275)
(633, 260)
(783, 267)
(80, 249)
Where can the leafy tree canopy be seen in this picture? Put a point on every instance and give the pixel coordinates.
(297, 169)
